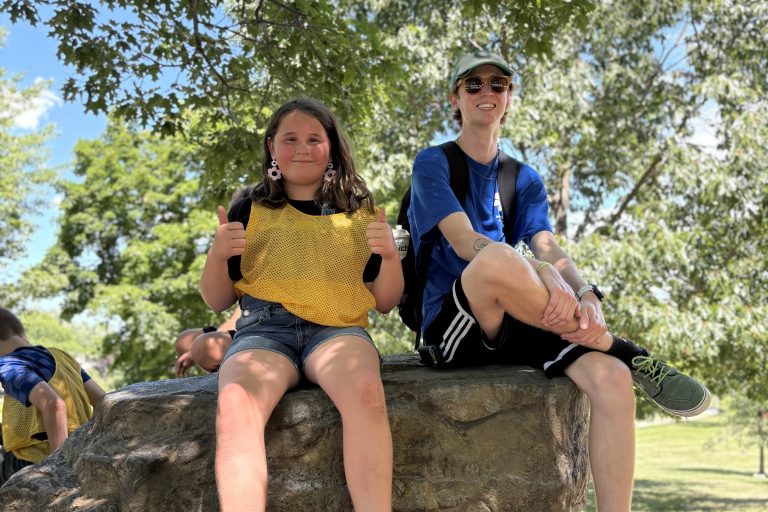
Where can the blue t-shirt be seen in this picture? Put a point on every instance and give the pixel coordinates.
(22, 369)
(432, 200)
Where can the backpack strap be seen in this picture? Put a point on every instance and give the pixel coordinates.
(459, 185)
(457, 163)
(509, 170)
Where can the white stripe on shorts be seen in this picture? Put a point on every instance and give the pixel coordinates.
(455, 333)
(560, 355)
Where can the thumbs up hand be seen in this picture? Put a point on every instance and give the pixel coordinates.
(222, 215)
(380, 237)
(229, 239)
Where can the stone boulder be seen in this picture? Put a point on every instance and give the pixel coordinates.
(479, 439)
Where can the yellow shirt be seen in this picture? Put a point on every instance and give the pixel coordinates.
(311, 264)
(20, 423)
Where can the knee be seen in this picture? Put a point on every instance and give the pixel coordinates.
(208, 350)
(500, 262)
(232, 401)
(609, 380)
(185, 340)
(367, 399)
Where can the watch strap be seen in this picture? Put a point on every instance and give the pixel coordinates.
(584, 289)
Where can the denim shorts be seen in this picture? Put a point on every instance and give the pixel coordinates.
(269, 326)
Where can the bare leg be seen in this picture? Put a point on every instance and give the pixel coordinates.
(347, 368)
(608, 384)
(250, 384)
(499, 280)
(185, 339)
(208, 349)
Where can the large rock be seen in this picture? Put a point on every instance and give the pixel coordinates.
(479, 439)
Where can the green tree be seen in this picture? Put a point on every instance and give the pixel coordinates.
(674, 230)
(23, 158)
(81, 341)
(133, 238)
(44, 328)
(215, 69)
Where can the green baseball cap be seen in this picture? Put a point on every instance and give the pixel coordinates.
(470, 61)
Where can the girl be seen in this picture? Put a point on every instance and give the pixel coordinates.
(307, 257)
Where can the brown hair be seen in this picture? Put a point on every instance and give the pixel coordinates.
(9, 325)
(345, 193)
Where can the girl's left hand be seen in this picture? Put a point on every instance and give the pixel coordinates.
(380, 237)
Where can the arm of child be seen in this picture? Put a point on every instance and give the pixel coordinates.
(387, 288)
(216, 287)
(94, 392)
(53, 410)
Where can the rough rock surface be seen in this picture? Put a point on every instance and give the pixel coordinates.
(478, 439)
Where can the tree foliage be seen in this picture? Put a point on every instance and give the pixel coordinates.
(613, 98)
(133, 238)
(214, 70)
(23, 159)
(671, 225)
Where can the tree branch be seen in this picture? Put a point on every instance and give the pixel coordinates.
(199, 50)
(649, 173)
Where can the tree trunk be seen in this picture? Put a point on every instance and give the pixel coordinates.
(560, 201)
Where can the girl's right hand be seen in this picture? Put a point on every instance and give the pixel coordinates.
(229, 239)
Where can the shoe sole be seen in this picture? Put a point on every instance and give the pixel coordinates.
(703, 406)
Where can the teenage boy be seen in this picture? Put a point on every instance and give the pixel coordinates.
(47, 396)
(486, 303)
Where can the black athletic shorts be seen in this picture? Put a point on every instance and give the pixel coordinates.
(454, 339)
(9, 465)
(211, 328)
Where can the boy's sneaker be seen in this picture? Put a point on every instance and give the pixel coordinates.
(671, 390)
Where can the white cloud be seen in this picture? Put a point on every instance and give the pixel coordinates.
(30, 113)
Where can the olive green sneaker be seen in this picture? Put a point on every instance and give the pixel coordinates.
(671, 390)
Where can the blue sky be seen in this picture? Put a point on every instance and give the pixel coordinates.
(28, 51)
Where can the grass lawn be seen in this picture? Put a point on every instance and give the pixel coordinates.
(679, 469)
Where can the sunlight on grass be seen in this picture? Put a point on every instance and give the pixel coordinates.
(679, 469)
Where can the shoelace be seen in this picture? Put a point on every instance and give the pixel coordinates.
(650, 366)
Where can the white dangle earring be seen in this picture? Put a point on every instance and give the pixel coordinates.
(329, 173)
(274, 172)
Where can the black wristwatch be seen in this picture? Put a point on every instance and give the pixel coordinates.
(590, 287)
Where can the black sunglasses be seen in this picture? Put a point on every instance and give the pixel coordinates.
(474, 84)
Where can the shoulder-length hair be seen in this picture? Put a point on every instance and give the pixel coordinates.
(346, 192)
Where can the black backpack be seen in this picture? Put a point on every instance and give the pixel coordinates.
(415, 272)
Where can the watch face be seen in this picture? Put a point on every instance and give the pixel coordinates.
(597, 292)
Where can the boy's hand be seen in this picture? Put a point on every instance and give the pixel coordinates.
(229, 239)
(380, 237)
(591, 323)
(562, 305)
(183, 363)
